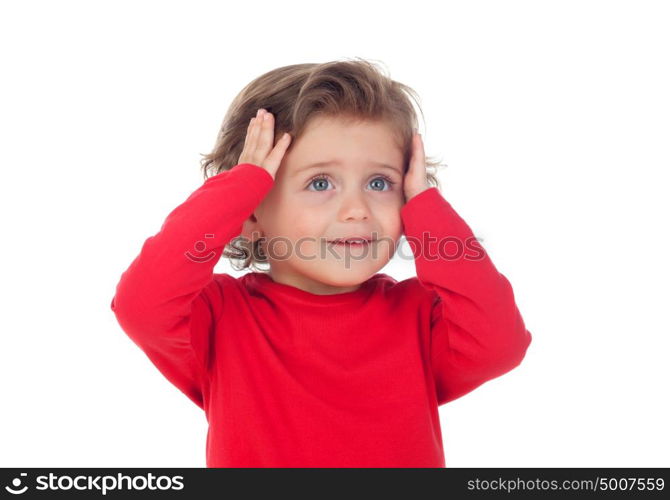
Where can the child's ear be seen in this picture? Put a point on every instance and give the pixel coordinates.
(251, 228)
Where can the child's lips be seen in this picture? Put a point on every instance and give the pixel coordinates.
(345, 243)
(349, 244)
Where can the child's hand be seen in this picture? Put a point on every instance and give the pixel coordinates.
(416, 178)
(258, 148)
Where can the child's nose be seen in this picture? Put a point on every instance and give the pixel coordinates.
(354, 206)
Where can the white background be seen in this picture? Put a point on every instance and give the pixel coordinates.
(552, 116)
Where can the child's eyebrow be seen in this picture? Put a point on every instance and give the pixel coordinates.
(322, 164)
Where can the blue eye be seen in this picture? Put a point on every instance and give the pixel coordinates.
(318, 178)
(385, 179)
(324, 178)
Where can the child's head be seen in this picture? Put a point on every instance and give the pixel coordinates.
(347, 111)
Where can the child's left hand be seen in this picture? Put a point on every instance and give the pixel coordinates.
(416, 179)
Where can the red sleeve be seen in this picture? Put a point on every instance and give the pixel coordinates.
(165, 300)
(477, 332)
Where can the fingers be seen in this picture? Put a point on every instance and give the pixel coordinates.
(259, 147)
(418, 155)
(275, 157)
(253, 136)
(249, 143)
(258, 141)
(266, 133)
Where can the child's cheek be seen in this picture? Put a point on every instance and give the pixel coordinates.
(314, 198)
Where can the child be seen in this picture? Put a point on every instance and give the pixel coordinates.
(319, 360)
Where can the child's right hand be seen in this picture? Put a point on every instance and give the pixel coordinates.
(258, 148)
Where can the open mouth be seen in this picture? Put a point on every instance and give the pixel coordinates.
(353, 242)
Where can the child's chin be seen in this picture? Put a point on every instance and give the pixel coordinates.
(343, 275)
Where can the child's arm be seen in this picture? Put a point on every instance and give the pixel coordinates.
(477, 332)
(166, 301)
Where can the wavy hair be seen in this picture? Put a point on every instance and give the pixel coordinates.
(351, 89)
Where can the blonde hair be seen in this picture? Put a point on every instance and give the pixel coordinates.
(350, 89)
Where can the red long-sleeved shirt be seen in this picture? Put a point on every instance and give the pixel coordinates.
(288, 378)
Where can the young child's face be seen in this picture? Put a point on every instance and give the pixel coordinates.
(356, 197)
